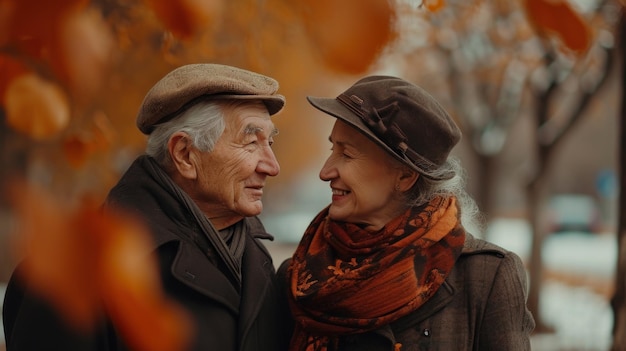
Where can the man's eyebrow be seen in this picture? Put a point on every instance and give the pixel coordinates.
(254, 129)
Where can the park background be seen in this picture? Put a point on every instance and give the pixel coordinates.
(536, 87)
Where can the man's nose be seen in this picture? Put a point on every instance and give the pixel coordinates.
(269, 164)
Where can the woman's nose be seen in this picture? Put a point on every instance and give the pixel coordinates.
(328, 171)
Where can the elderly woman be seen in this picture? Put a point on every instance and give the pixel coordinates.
(389, 265)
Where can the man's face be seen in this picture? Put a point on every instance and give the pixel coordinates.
(231, 177)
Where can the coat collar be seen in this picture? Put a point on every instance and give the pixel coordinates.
(258, 274)
(138, 192)
(473, 246)
(194, 269)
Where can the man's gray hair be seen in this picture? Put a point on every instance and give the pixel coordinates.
(203, 122)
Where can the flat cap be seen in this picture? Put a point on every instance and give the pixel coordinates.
(183, 86)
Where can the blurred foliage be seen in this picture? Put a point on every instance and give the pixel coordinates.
(85, 64)
(74, 71)
(88, 262)
(73, 74)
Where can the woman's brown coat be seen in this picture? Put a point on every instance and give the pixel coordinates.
(480, 306)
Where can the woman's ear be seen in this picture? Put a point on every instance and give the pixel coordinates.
(181, 153)
(407, 179)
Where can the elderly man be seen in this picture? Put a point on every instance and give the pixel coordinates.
(199, 189)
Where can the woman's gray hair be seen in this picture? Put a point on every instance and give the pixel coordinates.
(425, 189)
(203, 122)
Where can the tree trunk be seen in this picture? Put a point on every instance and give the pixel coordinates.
(485, 188)
(536, 195)
(535, 198)
(618, 302)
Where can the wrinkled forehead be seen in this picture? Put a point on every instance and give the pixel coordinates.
(249, 118)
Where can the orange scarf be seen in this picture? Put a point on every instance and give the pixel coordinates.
(346, 280)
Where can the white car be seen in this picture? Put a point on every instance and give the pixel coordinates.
(573, 212)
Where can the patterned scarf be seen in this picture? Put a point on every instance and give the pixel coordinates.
(346, 280)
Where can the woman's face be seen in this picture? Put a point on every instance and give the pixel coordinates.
(363, 179)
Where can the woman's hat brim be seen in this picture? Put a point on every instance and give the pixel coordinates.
(333, 107)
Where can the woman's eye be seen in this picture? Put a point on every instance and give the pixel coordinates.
(342, 154)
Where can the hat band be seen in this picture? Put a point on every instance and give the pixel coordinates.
(391, 136)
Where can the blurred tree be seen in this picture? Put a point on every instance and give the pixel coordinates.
(501, 61)
(73, 72)
(618, 302)
(557, 110)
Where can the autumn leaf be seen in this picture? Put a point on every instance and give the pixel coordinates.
(80, 146)
(36, 107)
(557, 17)
(130, 285)
(31, 24)
(81, 52)
(77, 149)
(59, 259)
(10, 69)
(185, 18)
(103, 131)
(350, 34)
(65, 39)
(434, 5)
(87, 261)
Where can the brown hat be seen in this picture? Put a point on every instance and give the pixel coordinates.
(180, 88)
(400, 117)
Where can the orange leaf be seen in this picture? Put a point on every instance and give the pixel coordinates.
(557, 17)
(77, 149)
(349, 34)
(81, 52)
(36, 107)
(59, 262)
(6, 10)
(9, 70)
(434, 5)
(88, 261)
(104, 132)
(31, 24)
(185, 18)
(131, 287)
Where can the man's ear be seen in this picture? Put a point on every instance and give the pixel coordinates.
(181, 152)
(407, 179)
